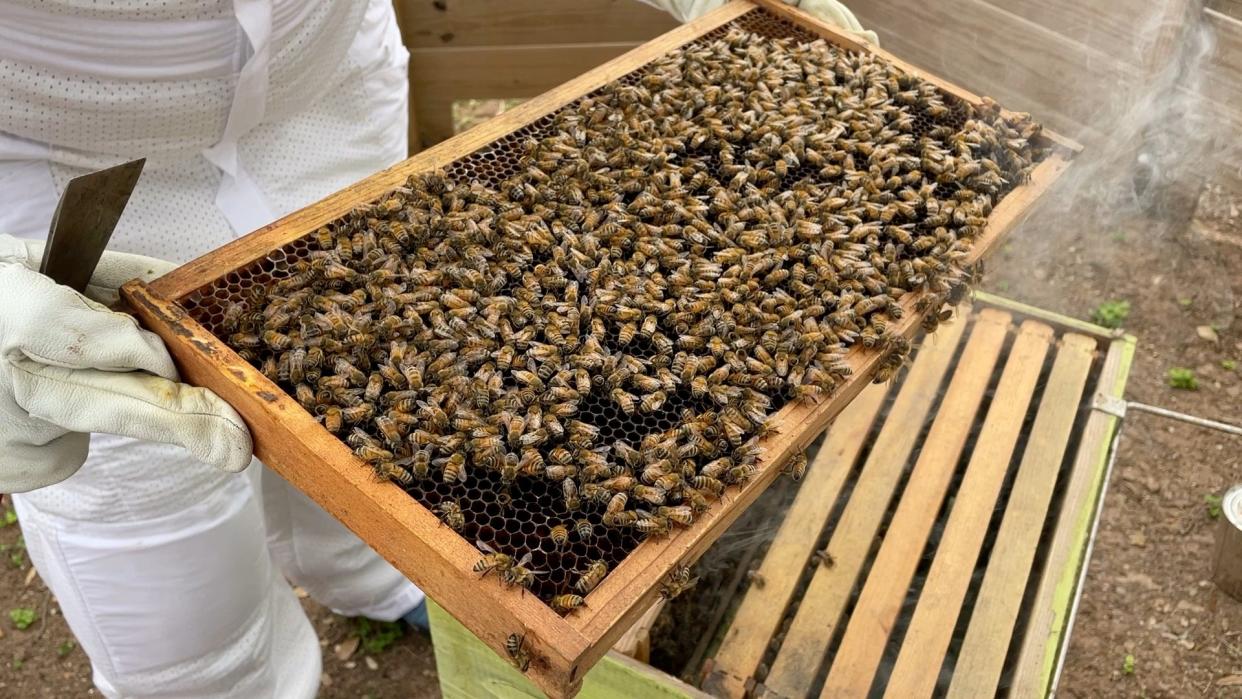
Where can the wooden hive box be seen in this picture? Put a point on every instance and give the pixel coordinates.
(289, 440)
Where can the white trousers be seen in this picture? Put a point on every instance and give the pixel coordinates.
(182, 592)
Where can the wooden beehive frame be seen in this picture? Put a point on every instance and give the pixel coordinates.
(290, 441)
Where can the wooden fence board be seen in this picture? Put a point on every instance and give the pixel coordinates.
(455, 23)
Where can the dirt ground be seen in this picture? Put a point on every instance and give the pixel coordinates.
(1148, 595)
(1151, 624)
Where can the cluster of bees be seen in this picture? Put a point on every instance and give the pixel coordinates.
(700, 242)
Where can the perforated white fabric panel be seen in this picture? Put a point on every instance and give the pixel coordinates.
(97, 111)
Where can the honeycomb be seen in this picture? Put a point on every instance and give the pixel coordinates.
(517, 517)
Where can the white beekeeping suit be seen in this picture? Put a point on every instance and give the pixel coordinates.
(168, 570)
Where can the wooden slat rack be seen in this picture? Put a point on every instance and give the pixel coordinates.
(936, 546)
(289, 440)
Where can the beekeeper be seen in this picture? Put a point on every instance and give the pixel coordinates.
(168, 562)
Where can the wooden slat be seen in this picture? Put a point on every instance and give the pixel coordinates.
(467, 670)
(991, 51)
(982, 656)
(1121, 28)
(1046, 628)
(444, 23)
(862, 646)
(758, 616)
(1221, 76)
(931, 628)
(636, 642)
(1230, 8)
(825, 598)
(506, 71)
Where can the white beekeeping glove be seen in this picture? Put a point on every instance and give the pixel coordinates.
(830, 11)
(69, 366)
(836, 14)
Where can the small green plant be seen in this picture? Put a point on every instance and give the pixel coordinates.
(10, 517)
(22, 617)
(1127, 665)
(377, 636)
(17, 663)
(1119, 237)
(1183, 378)
(1228, 364)
(1111, 314)
(1213, 505)
(65, 648)
(1185, 301)
(17, 556)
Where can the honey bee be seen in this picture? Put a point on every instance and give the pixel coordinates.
(420, 464)
(518, 575)
(653, 402)
(370, 452)
(649, 494)
(677, 582)
(492, 560)
(573, 501)
(332, 419)
(559, 535)
(450, 513)
(681, 514)
(453, 468)
(591, 577)
(628, 402)
(796, 468)
(393, 472)
(567, 603)
(584, 529)
(389, 430)
(515, 646)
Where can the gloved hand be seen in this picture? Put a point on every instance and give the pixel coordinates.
(69, 366)
(830, 11)
(837, 14)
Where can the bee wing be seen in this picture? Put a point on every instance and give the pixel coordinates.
(484, 547)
